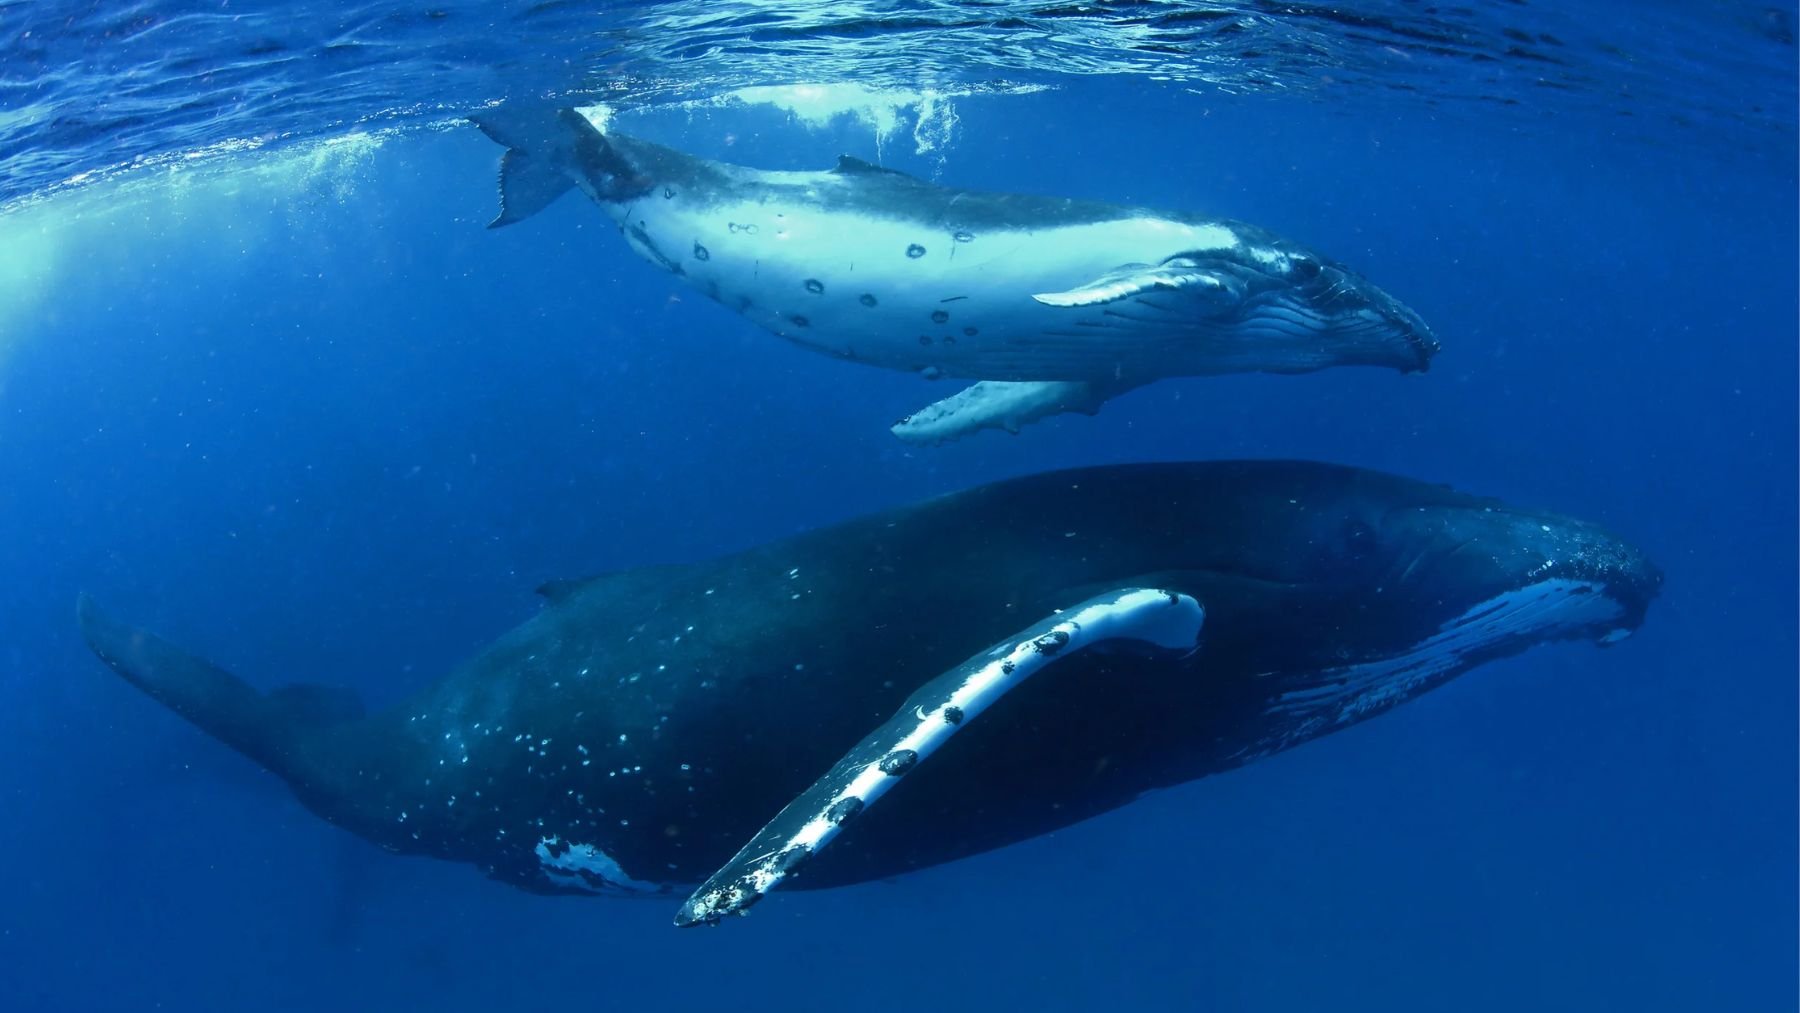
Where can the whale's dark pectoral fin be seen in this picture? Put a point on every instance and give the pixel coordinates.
(1133, 618)
(1136, 279)
(222, 705)
(1008, 405)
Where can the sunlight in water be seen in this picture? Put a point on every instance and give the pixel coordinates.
(930, 112)
(29, 261)
(226, 199)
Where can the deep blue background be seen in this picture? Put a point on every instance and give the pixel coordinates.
(315, 422)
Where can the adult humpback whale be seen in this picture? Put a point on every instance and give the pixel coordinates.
(1125, 628)
(1054, 304)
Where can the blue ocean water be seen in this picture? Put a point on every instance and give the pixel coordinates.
(269, 387)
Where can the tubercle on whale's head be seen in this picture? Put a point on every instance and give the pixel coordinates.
(1420, 344)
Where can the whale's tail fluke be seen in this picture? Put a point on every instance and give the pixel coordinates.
(267, 727)
(549, 152)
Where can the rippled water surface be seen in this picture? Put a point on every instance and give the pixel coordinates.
(86, 87)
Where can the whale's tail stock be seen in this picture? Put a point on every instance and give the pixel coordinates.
(550, 151)
(271, 728)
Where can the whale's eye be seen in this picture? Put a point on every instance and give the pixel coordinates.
(1303, 268)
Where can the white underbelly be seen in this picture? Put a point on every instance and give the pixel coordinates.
(907, 296)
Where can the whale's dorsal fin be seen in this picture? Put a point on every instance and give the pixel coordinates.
(1132, 618)
(850, 165)
(628, 582)
(563, 588)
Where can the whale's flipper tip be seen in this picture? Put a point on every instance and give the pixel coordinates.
(1131, 618)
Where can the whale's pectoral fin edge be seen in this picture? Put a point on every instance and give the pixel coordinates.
(1137, 279)
(1002, 404)
(1131, 618)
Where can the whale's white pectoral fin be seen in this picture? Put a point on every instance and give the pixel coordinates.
(1008, 405)
(1129, 618)
(1136, 279)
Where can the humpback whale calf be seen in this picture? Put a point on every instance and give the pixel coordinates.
(924, 683)
(1052, 304)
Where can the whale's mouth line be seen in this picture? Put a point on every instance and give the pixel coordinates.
(1284, 314)
(1345, 299)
